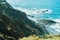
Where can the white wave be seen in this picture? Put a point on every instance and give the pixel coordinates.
(57, 20)
(35, 12)
(54, 28)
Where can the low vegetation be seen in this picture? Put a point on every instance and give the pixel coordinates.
(47, 37)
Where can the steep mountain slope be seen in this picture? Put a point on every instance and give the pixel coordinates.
(14, 23)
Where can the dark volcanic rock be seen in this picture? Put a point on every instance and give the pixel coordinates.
(14, 23)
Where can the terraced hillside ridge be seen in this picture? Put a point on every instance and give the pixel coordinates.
(15, 24)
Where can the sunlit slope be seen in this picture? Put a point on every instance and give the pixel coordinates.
(48, 37)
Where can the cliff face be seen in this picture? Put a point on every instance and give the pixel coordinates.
(15, 23)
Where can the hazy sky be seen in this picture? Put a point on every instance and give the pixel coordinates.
(31, 3)
(39, 4)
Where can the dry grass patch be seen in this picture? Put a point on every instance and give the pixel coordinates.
(48, 37)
